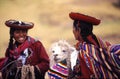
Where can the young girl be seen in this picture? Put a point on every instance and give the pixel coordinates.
(24, 49)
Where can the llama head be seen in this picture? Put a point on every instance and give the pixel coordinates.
(60, 51)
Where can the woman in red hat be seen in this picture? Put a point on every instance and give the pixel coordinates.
(94, 59)
(24, 55)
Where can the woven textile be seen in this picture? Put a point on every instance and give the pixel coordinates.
(58, 71)
(103, 62)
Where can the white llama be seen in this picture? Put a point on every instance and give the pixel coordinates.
(63, 58)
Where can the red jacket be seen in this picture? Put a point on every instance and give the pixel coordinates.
(2, 60)
(38, 57)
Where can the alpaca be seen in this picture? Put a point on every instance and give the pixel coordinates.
(63, 58)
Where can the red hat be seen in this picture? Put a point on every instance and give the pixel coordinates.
(86, 18)
(19, 24)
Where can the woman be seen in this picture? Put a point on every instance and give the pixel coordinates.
(94, 59)
(24, 52)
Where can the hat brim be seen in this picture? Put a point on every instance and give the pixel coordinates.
(12, 24)
(86, 18)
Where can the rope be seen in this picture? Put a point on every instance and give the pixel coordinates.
(8, 65)
(27, 72)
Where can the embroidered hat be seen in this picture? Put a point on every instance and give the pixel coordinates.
(19, 24)
(82, 17)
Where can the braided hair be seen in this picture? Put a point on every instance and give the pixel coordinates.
(10, 45)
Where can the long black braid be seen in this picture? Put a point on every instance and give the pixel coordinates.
(10, 45)
(86, 29)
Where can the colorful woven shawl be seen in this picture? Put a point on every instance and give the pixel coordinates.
(58, 71)
(104, 62)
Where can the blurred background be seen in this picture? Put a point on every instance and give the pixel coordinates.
(52, 22)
